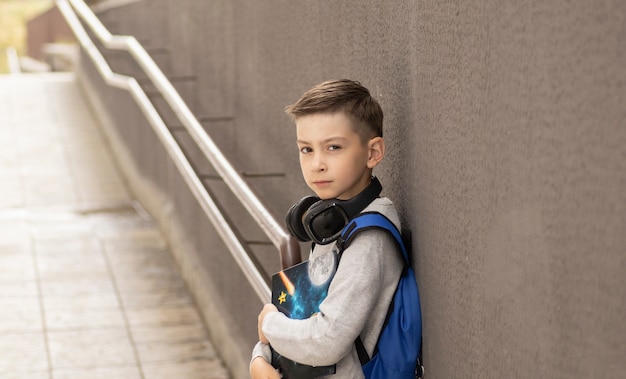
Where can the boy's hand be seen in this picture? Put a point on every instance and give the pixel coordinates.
(260, 369)
(268, 308)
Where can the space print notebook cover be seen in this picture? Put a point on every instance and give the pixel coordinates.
(298, 292)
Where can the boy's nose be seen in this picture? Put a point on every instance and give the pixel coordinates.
(318, 164)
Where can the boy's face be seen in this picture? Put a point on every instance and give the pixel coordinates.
(335, 161)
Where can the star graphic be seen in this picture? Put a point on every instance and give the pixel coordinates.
(282, 298)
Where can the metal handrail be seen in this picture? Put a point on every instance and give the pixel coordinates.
(285, 243)
(13, 61)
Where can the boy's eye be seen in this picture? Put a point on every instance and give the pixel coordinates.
(334, 147)
(305, 150)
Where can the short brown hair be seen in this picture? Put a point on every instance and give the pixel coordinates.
(342, 95)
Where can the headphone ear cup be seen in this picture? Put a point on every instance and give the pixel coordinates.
(295, 216)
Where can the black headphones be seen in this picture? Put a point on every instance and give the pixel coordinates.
(322, 221)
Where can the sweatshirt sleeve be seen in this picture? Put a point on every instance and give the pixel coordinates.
(327, 337)
(261, 350)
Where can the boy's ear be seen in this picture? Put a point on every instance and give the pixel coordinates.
(376, 151)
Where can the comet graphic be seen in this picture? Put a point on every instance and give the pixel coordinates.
(288, 285)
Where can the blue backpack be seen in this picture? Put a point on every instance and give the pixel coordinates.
(398, 350)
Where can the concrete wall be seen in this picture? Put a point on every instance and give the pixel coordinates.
(506, 129)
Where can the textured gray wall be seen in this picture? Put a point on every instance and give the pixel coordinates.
(506, 130)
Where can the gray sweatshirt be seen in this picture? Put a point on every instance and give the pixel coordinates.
(357, 303)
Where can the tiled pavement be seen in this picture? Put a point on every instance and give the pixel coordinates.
(87, 286)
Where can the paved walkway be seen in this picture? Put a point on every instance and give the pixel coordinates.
(87, 286)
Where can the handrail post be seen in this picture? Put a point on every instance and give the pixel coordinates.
(289, 252)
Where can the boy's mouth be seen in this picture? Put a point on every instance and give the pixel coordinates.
(322, 183)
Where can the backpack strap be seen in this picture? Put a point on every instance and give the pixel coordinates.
(368, 221)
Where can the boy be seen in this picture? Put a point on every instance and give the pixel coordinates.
(340, 139)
